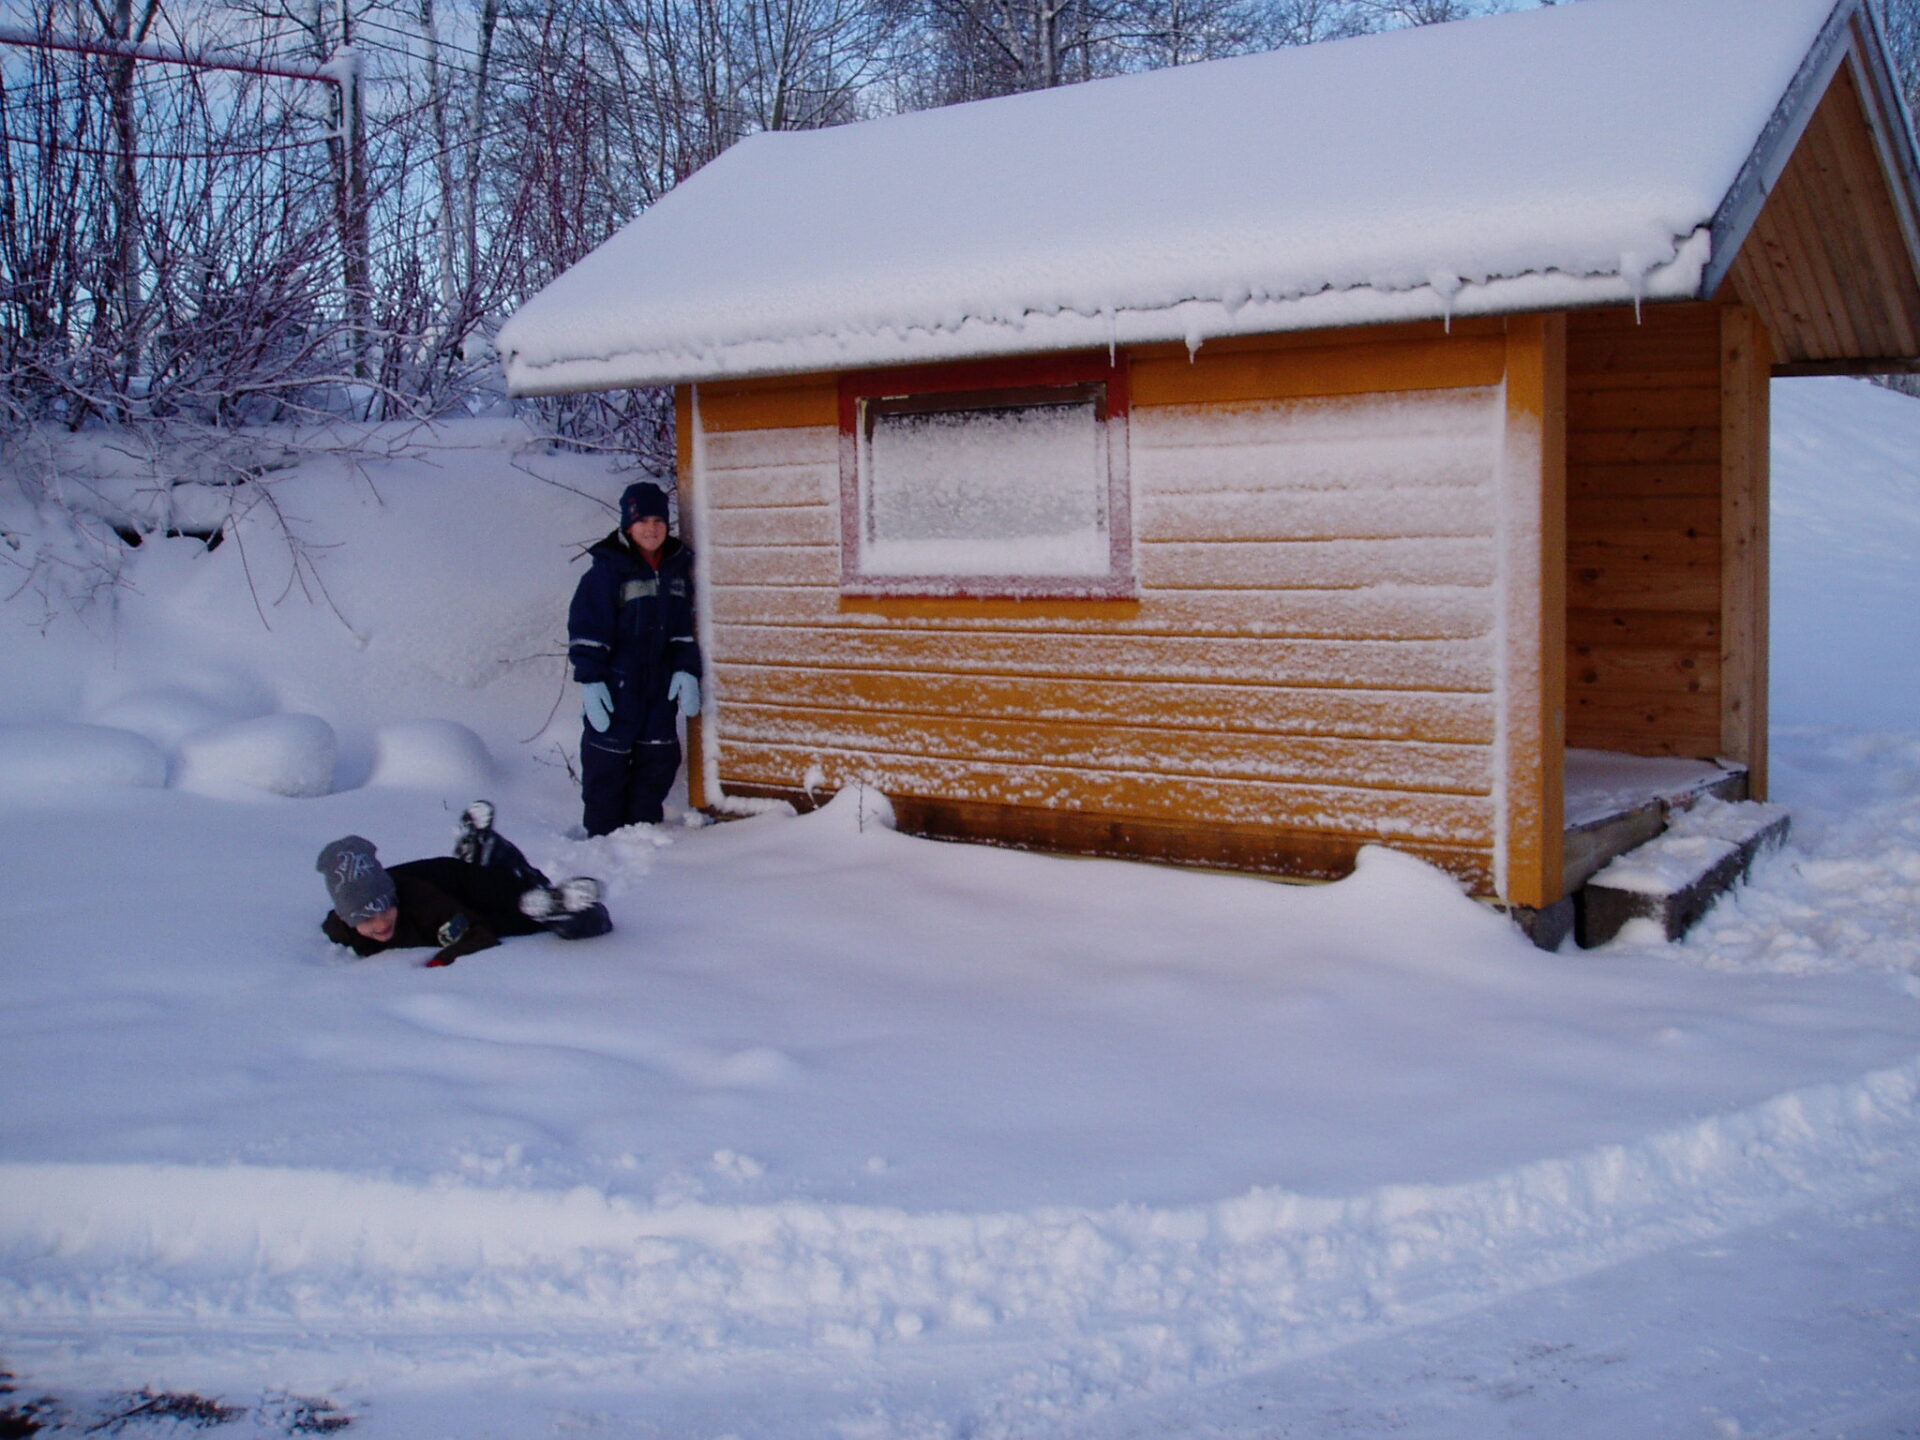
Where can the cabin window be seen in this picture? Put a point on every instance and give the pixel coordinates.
(952, 486)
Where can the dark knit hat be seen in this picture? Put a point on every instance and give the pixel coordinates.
(358, 883)
(642, 500)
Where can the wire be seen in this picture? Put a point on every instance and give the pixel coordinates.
(448, 66)
(441, 43)
(237, 152)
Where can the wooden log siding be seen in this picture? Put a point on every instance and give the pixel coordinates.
(1644, 530)
(1310, 650)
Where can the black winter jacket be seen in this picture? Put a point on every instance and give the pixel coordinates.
(446, 904)
(632, 627)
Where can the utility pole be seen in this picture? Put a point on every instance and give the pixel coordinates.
(126, 196)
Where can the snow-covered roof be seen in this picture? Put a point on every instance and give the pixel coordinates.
(1566, 156)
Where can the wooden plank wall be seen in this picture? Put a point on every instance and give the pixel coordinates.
(1309, 660)
(1644, 444)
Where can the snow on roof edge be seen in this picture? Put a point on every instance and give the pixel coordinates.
(1192, 322)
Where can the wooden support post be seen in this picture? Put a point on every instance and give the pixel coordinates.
(1746, 361)
(1533, 624)
(685, 481)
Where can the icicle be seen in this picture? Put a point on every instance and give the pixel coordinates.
(1446, 285)
(1193, 336)
(1633, 269)
(1113, 336)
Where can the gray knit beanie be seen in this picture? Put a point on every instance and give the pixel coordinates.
(358, 883)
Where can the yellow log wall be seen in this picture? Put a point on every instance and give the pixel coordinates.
(1311, 652)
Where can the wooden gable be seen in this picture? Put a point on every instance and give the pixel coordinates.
(1832, 259)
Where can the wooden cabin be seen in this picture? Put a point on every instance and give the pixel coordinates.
(1151, 486)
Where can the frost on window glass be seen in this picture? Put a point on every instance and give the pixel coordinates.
(989, 490)
(997, 479)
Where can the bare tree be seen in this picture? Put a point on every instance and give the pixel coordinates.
(1422, 12)
(1308, 22)
(807, 63)
(124, 22)
(260, 261)
(999, 47)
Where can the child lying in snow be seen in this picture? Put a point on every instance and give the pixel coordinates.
(458, 904)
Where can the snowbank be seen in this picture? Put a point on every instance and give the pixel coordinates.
(1143, 1296)
(1846, 529)
(58, 757)
(415, 579)
(168, 714)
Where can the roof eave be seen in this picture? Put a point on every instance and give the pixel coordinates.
(1891, 126)
(1196, 322)
(1850, 37)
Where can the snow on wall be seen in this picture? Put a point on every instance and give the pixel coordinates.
(1564, 157)
(1311, 646)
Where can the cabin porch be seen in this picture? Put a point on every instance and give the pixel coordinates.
(1635, 845)
(1616, 801)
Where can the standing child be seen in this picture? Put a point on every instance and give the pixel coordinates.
(631, 640)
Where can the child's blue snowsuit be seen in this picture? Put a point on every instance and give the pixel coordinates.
(631, 627)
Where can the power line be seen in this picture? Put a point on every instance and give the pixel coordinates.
(233, 152)
(443, 44)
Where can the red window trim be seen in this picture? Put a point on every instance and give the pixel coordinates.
(1048, 372)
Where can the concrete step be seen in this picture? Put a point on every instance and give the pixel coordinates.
(1674, 878)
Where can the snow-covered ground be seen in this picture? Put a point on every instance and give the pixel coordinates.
(846, 1134)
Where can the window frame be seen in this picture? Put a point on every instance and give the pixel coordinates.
(998, 384)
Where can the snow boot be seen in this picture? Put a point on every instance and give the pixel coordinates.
(580, 893)
(541, 903)
(474, 843)
(581, 916)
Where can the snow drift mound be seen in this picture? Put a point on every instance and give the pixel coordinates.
(430, 755)
(284, 754)
(368, 578)
(56, 757)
